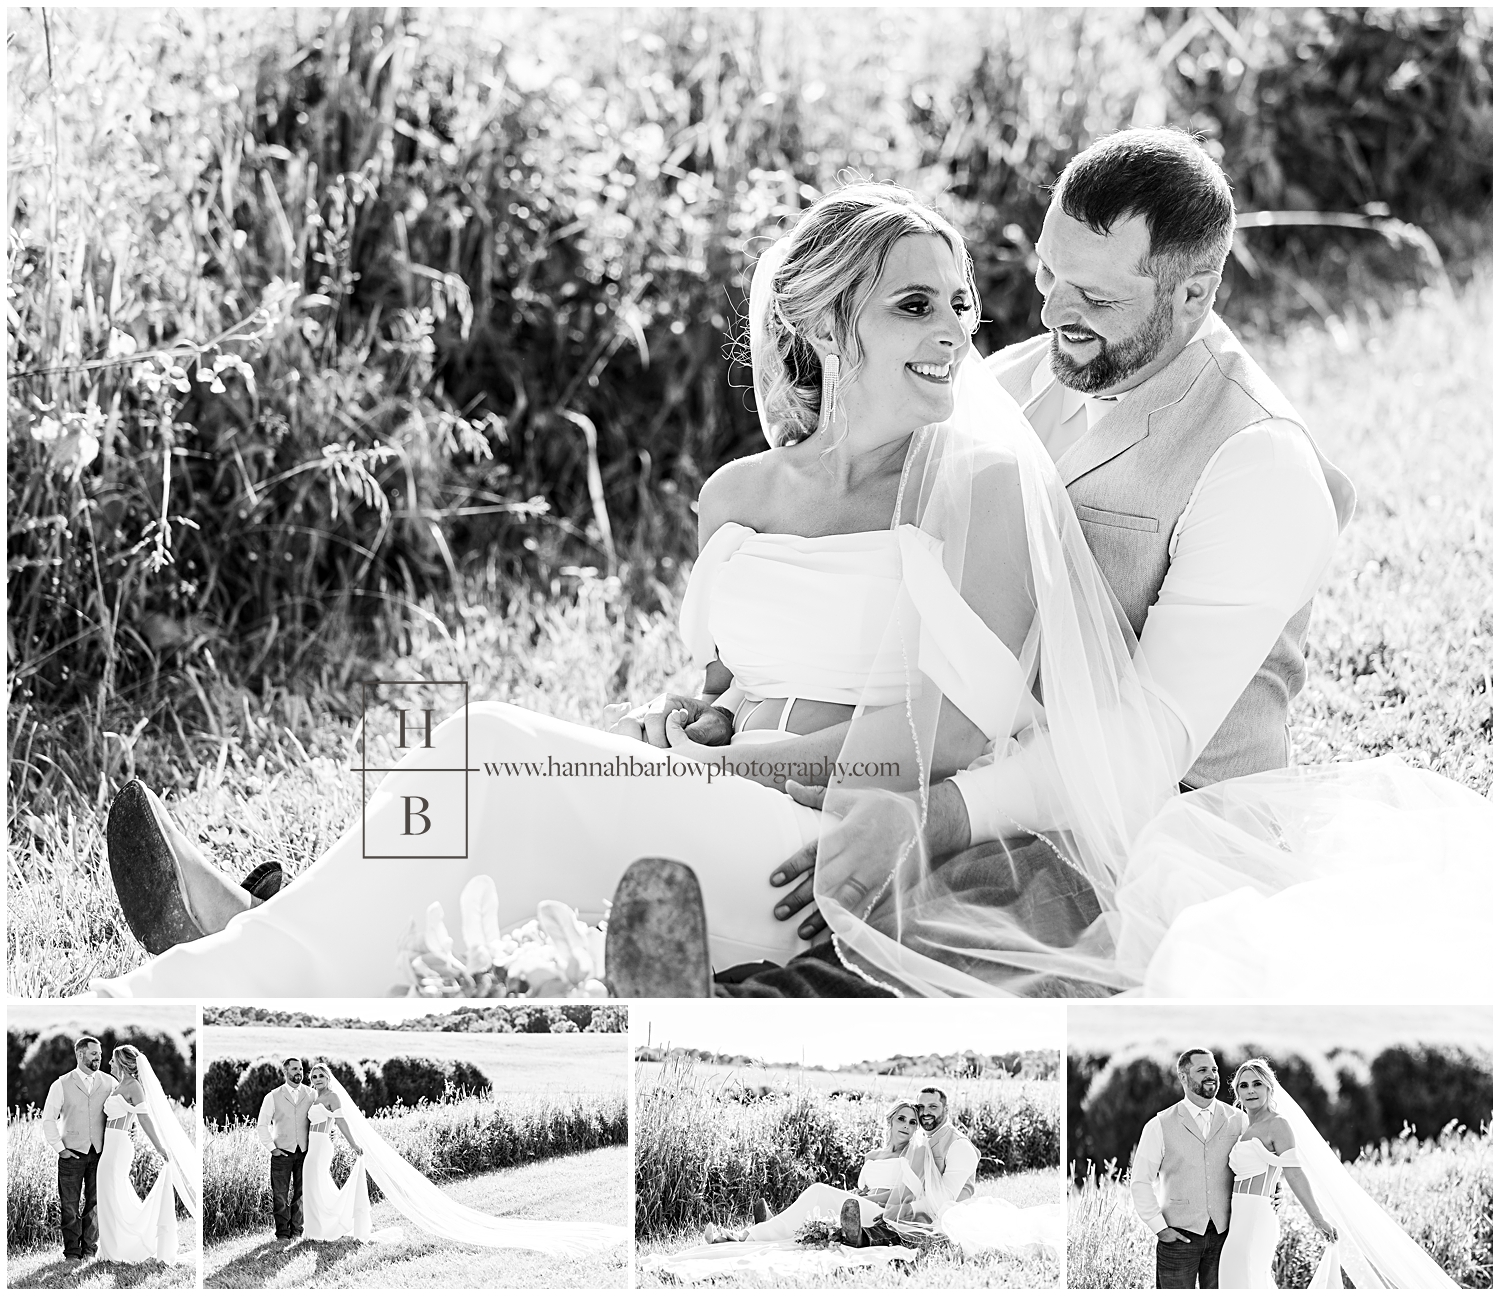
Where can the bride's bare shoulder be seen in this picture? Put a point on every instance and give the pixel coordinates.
(737, 492)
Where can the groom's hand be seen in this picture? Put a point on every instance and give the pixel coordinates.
(1169, 1234)
(67, 1154)
(858, 851)
(706, 724)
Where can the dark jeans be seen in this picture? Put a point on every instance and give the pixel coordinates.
(78, 1177)
(1190, 1263)
(286, 1192)
(1056, 904)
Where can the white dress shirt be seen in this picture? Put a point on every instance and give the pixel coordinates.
(52, 1108)
(1145, 1168)
(1248, 551)
(962, 1161)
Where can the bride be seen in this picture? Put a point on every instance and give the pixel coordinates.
(132, 1230)
(331, 1212)
(1280, 1141)
(898, 587)
(885, 1166)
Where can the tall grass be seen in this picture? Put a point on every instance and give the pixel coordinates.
(33, 1215)
(445, 1141)
(1441, 1192)
(702, 1155)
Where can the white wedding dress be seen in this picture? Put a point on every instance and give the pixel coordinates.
(1250, 1249)
(823, 1201)
(132, 1230)
(791, 616)
(328, 1211)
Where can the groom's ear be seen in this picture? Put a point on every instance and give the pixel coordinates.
(1195, 296)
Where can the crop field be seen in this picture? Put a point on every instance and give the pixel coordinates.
(515, 1064)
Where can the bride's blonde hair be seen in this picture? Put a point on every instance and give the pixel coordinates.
(888, 1144)
(128, 1056)
(834, 259)
(1262, 1068)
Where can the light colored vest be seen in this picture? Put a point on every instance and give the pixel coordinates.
(1130, 478)
(1196, 1172)
(937, 1147)
(82, 1121)
(289, 1123)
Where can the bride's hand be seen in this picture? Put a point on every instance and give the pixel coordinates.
(759, 768)
(620, 719)
(1328, 1231)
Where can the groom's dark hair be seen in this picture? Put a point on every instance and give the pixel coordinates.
(1185, 1058)
(938, 1092)
(83, 1041)
(1166, 176)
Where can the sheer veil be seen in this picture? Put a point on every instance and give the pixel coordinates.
(184, 1162)
(1373, 1250)
(991, 550)
(432, 1210)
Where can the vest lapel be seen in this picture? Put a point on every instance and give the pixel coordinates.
(1191, 1125)
(1130, 419)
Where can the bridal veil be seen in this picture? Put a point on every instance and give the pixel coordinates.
(427, 1206)
(184, 1162)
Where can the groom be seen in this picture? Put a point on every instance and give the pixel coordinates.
(1202, 496)
(1186, 1149)
(944, 1160)
(73, 1127)
(284, 1128)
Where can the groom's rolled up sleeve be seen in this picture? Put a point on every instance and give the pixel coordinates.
(263, 1126)
(963, 1161)
(51, 1110)
(1145, 1170)
(1248, 551)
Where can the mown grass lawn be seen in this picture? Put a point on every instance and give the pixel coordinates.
(940, 1265)
(1399, 655)
(583, 1187)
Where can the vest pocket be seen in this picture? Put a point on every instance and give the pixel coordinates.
(1108, 517)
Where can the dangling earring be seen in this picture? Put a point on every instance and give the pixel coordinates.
(827, 407)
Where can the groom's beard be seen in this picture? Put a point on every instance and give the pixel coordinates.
(1116, 361)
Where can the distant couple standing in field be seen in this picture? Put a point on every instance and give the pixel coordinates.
(922, 1167)
(1038, 619)
(87, 1120)
(296, 1125)
(1219, 1166)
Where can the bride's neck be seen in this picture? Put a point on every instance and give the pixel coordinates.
(853, 466)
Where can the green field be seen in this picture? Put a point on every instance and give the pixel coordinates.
(515, 1064)
(1096, 1028)
(591, 1186)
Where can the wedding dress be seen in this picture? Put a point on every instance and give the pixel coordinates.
(130, 1229)
(823, 1201)
(1373, 1252)
(1250, 1249)
(330, 1212)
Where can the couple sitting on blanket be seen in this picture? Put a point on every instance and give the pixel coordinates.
(905, 1186)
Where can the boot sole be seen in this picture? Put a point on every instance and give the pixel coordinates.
(656, 943)
(144, 872)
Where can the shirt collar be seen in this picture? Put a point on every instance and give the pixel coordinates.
(1200, 1114)
(87, 1077)
(1095, 407)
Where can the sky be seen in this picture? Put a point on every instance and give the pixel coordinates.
(1116, 1025)
(833, 1032)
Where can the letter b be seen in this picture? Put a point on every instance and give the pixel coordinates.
(416, 814)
